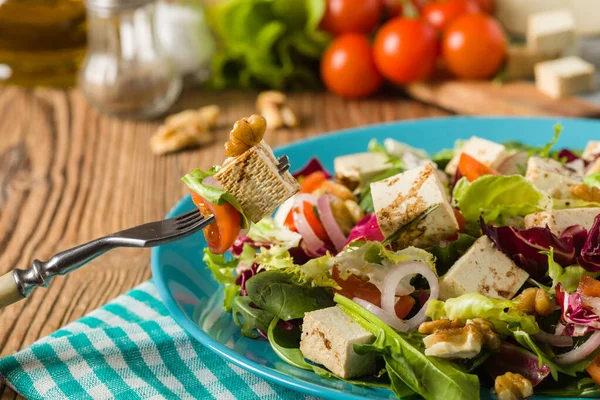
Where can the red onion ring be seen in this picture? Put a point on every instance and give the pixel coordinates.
(329, 223)
(554, 340)
(391, 320)
(311, 240)
(393, 278)
(581, 352)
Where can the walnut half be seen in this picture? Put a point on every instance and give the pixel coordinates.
(273, 106)
(246, 133)
(512, 387)
(456, 340)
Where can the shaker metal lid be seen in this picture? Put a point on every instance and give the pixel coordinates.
(113, 5)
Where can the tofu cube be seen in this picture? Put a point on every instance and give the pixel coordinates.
(521, 60)
(485, 151)
(483, 269)
(565, 76)
(592, 150)
(593, 168)
(254, 181)
(552, 177)
(403, 198)
(559, 220)
(360, 167)
(551, 32)
(328, 338)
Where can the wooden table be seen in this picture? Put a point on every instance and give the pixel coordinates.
(69, 175)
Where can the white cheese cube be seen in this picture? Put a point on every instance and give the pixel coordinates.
(465, 344)
(404, 197)
(551, 32)
(593, 168)
(591, 150)
(489, 153)
(483, 269)
(520, 61)
(565, 76)
(552, 177)
(559, 220)
(328, 338)
(360, 166)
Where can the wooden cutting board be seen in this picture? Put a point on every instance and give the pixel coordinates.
(488, 98)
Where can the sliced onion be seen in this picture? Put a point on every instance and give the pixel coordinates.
(591, 302)
(283, 211)
(554, 340)
(330, 224)
(581, 352)
(513, 163)
(394, 278)
(313, 244)
(302, 198)
(390, 319)
(212, 182)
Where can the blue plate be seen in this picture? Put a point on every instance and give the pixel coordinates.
(194, 298)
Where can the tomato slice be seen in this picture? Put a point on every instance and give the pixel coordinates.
(590, 287)
(315, 222)
(356, 287)
(312, 182)
(472, 169)
(594, 370)
(221, 234)
(460, 219)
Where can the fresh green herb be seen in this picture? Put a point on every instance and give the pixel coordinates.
(544, 152)
(409, 225)
(277, 293)
(592, 180)
(224, 272)
(267, 43)
(195, 181)
(409, 369)
(446, 256)
(250, 318)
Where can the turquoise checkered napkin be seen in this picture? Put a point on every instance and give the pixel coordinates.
(130, 349)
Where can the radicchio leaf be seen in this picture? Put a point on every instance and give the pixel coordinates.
(313, 165)
(238, 245)
(568, 155)
(524, 247)
(575, 319)
(243, 277)
(575, 236)
(590, 253)
(511, 358)
(367, 229)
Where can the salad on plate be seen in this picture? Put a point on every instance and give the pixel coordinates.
(433, 275)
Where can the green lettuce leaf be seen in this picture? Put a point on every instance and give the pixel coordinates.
(272, 43)
(497, 198)
(445, 257)
(268, 231)
(525, 340)
(224, 272)
(568, 277)
(194, 181)
(592, 180)
(409, 369)
(475, 305)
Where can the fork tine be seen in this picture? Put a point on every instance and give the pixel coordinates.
(185, 225)
(186, 215)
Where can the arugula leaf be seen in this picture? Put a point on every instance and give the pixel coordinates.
(195, 181)
(446, 256)
(277, 293)
(584, 387)
(224, 272)
(249, 318)
(407, 365)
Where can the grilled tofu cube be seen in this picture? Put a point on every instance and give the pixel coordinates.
(328, 338)
(591, 150)
(521, 60)
(360, 167)
(551, 32)
(552, 177)
(485, 270)
(559, 220)
(565, 76)
(404, 197)
(254, 181)
(489, 153)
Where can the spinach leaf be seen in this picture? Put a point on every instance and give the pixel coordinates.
(445, 257)
(585, 387)
(407, 365)
(286, 345)
(249, 318)
(277, 293)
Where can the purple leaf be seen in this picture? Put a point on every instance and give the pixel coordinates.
(313, 165)
(511, 358)
(367, 229)
(576, 319)
(568, 155)
(590, 253)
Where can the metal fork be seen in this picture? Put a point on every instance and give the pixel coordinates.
(18, 284)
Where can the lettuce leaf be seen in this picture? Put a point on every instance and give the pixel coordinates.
(496, 198)
(224, 272)
(592, 180)
(267, 231)
(446, 256)
(219, 196)
(475, 305)
(560, 204)
(568, 277)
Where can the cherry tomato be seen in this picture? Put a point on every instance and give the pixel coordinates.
(406, 50)
(487, 6)
(312, 219)
(348, 68)
(474, 46)
(441, 13)
(221, 234)
(356, 287)
(472, 169)
(460, 219)
(312, 182)
(351, 16)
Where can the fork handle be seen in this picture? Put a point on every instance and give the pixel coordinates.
(9, 290)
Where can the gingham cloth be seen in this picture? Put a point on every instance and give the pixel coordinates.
(130, 349)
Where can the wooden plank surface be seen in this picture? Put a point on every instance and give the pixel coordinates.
(487, 98)
(69, 175)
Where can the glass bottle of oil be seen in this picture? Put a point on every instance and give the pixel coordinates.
(42, 42)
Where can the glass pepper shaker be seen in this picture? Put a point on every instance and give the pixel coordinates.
(126, 73)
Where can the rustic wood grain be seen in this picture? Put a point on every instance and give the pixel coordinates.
(69, 175)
